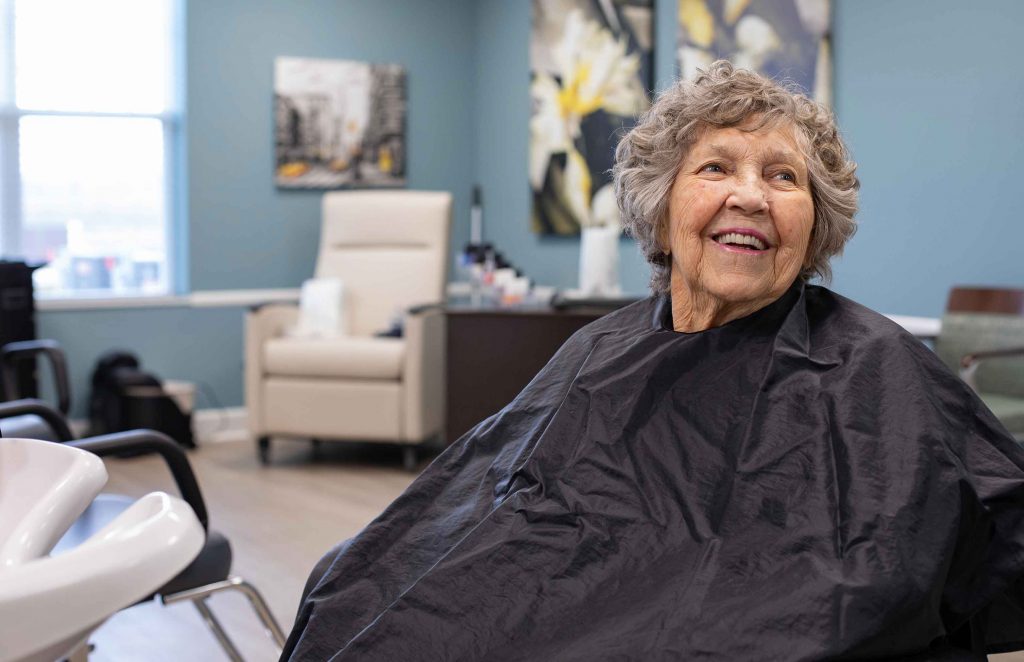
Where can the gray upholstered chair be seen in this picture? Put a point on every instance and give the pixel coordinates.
(982, 338)
(390, 249)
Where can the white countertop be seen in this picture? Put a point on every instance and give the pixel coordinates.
(922, 327)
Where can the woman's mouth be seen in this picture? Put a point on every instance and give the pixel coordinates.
(742, 241)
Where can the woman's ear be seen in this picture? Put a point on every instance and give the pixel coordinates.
(809, 253)
(664, 242)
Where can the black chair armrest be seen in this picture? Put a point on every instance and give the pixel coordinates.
(422, 308)
(13, 352)
(257, 307)
(151, 441)
(51, 416)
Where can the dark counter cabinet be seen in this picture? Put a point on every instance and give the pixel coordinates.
(493, 353)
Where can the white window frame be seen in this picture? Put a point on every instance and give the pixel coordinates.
(173, 123)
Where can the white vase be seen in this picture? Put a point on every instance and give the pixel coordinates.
(599, 261)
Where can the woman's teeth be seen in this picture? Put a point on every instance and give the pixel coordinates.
(738, 239)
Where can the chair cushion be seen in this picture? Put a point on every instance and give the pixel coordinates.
(213, 564)
(1009, 410)
(352, 357)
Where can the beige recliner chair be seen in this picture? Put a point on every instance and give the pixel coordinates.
(390, 249)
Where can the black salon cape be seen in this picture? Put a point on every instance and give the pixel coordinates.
(805, 483)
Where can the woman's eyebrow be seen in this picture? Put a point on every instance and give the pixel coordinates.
(786, 156)
(771, 155)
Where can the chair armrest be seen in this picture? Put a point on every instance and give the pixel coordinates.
(423, 308)
(424, 372)
(975, 357)
(969, 363)
(50, 416)
(14, 352)
(147, 442)
(261, 324)
(271, 319)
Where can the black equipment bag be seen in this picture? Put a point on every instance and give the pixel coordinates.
(124, 397)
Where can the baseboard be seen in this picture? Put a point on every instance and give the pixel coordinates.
(216, 425)
(208, 425)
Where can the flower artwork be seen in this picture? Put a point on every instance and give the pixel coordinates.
(783, 39)
(591, 72)
(338, 124)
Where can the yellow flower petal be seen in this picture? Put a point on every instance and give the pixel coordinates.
(733, 9)
(698, 22)
(578, 186)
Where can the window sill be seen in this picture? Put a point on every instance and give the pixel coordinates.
(200, 299)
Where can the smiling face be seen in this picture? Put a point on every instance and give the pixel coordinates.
(740, 218)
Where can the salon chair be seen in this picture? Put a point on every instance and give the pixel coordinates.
(50, 603)
(13, 357)
(209, 572)
(390, 250)
(982, 338)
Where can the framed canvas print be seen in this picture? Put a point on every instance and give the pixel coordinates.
(338, 124)
(783, 39)
(591, 72)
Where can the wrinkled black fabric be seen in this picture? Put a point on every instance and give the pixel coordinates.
(805, 483)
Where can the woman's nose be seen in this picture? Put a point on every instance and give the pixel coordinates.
(748, 195)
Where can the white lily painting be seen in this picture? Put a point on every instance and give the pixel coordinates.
(591, 74)
(784, 39)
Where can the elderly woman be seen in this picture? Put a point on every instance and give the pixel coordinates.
(741, 467)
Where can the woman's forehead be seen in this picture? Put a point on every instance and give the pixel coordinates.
(777, 139)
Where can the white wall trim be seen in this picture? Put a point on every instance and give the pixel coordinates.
(216, 425)
(208, 425)
(199, 299)
(112, 302)
(226, 298)
(923, 327)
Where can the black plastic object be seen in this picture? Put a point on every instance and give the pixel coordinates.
(18, 321)
(124, 397)
(14, 356)
(20, 418)
(145, 442)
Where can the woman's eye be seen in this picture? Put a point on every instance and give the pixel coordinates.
(785, 176)
(712, 167)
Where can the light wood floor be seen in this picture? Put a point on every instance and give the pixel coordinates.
(280, 520)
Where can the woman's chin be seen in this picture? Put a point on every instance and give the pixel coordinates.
(736, 289)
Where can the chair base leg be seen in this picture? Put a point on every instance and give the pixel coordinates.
(409, 458)
(80, 653)
(218, 630)
(262, 610)
(263, 450)
(259, 605)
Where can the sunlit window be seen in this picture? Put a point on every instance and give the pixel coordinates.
(88, 125)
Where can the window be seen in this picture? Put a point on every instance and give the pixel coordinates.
(89, 131)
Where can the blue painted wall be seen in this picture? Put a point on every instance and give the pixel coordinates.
(930, 97)
(245, 233)
(928, 93)
(241, 231)
(203, 345)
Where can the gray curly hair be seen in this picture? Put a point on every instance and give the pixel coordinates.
(648, 159)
